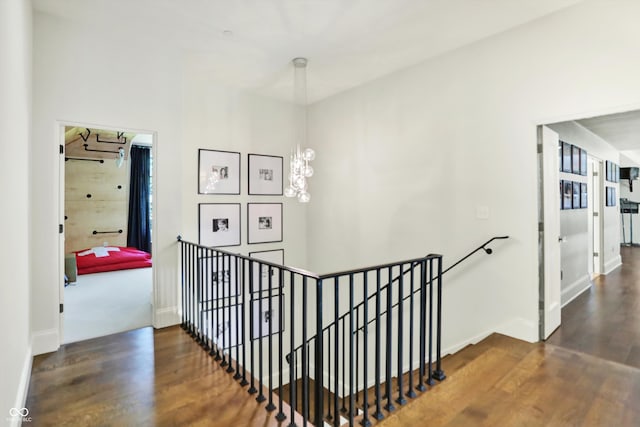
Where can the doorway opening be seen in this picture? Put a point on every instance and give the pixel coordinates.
(106, 187)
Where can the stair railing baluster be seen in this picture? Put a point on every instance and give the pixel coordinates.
(400, 400)
(329, 415)
(221, 285)
(260, 397)
(305, 377)
(293, 372)
(410, 391)
(344, 368)
(237, 263)
(281, 301)
(244, 291)
(423, 320)
(270, 405)
(439, 373)
(252, 287)
(336, 342)
(318, 362)
(389, 360)
(430, 375)
(378, 413)
(365, 291)
(352, 403)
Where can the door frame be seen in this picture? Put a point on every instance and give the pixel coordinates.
(60, 137)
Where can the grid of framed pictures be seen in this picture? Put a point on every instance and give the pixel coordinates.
(612, 171)
(573, 195)
(572, 159)
(611, 196)
(219, 174)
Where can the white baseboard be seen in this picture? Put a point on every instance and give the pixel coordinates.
(612, 264)
(575, 289)
(45, 341)
(164, 317)
(21, 393)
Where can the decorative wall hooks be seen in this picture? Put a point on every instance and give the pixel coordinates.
(120, 139)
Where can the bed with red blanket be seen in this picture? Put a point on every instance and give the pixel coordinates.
(111, 258)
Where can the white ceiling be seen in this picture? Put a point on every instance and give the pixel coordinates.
(347, 42)
(621, 130)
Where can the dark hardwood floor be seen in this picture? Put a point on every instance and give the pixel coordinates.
(139, 378)
(605, 321)
(586, 374)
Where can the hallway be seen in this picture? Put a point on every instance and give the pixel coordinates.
(605, 321)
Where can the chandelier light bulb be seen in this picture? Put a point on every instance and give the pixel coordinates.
(309, 154)
(308, 171)
(290, 192)
(304, 197)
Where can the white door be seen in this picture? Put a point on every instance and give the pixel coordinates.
(549, 234)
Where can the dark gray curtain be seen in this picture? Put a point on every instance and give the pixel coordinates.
(139, 233)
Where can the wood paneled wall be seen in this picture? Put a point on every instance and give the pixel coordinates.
(96, 198)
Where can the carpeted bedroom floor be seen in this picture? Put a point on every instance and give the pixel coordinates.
(106, 303)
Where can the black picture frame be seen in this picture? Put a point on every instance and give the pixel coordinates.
(575, 160)
(225, 165)
(583, 195)
(275, 256)
(611, 196)
(567, 195)
(265, 175)
(220, 275)
(212, 230)
(576, 195)
(261, 316)
(264, 223)
(223, 325)
(583, 162)
(560, 155)
(616, 173)
(566, 157)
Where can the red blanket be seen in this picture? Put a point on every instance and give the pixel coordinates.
(123, 259)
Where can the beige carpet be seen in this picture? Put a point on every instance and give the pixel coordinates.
(107, 303)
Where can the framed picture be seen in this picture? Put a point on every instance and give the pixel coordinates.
(262, 272)
(218, 172)
(220, 275)
(560, 155)
(576, 195)
(566, 157)
(583, 162)
(608, 170)
(264, 222)
(583, 195)
(266, 313)
(265, 175)
(223, 325)
(567, 195)
(219, 224)
(611, 196)
(575, 160)
(616, 173)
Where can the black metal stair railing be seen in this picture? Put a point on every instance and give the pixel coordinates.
(251, 315)
(351, 328)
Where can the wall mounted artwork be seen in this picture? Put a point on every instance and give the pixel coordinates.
(265, 277)
(218, 172)
(219, 224)
(265, 175)
(264, 222)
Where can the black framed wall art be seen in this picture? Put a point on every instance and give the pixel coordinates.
(219, 224)
(576, 195)
(264, 222)
(265, 175)
(266, 316)
(218, 172)
(265, 277)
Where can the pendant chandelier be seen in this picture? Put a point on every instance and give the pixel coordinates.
(299, 166)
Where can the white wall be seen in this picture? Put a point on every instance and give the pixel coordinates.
(15, 122)
(574, 223)
(404, 162)
(88, 77)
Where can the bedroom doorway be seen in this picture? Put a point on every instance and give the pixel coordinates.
(107, 197)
